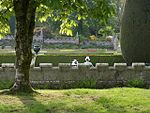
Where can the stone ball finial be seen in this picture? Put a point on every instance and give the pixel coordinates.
(87, 58)
(74, 63)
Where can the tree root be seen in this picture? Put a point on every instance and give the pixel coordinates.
(19, 89)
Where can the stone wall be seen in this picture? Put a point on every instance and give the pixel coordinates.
(66, 76)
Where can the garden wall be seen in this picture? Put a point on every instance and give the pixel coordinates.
(66, 76)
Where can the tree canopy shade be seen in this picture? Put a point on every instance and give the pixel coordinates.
(67, 11)
(6, 10)
(27, 11)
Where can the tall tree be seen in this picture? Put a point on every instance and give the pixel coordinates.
(25, 12)
(135, 35)
(25, 17)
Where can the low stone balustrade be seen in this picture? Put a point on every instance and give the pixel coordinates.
(103, 74)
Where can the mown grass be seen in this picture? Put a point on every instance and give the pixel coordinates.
(116, 100)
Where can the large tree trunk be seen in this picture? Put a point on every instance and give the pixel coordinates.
(135, 31)
(25, 18)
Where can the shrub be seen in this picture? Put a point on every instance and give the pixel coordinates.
(136, 83)
(5, 84)
(67, 58)
(111, 59)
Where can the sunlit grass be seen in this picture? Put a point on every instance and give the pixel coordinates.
(116, 100)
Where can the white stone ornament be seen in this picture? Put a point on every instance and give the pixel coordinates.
(87, 61)
(74, 63)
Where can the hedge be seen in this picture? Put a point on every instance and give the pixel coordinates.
(67, 58)
(7, 58)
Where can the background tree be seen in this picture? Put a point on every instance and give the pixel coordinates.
(135, 35)
(6, 11)
(12, 24)
(25, 13)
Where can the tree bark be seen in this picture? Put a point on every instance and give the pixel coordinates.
(25, 18)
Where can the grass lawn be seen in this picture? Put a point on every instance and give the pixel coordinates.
(116, 100)
(68, 51)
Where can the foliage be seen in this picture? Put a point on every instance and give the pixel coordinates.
(7, 58)
(135, 43)
(68, 12)
(60, 46)
(117, 100)
(106, 30)
(136, 83)
(65, 84)
(68, 57)
(12, 24)
(5, 84)
(6, 11)
(90, 25)
(86, 84)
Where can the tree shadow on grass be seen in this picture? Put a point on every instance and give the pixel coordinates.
(41, 103)
(34, 105)
(31, 104)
